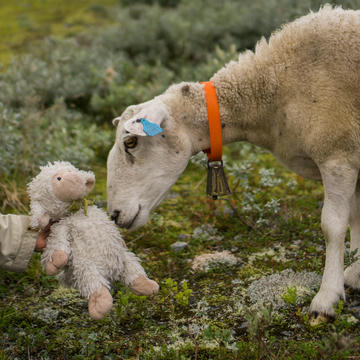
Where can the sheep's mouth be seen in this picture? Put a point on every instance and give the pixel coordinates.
(130, 223)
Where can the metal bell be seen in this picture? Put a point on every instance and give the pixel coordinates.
(217, 184)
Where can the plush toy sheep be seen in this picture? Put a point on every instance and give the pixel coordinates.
(84, 246)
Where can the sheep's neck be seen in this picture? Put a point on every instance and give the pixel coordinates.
(246, 105)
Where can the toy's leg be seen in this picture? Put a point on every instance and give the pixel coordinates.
(144, 286)
(352, 273)
(339, 179)
(58, 260)
(100, 303)
(135, 278)
(92, 285)
(57, 251)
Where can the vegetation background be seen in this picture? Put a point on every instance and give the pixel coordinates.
(68, 68)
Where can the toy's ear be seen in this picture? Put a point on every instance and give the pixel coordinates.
(90, 182)
(148, 121)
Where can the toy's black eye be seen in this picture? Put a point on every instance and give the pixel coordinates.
(59, 178)
(130, 142)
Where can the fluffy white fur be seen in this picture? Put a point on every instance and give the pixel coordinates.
(298, 96)
(97, 254)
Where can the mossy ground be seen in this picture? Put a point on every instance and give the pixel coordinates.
(213, 321)
(271, 222)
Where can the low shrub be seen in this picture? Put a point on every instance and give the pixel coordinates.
(31, 137)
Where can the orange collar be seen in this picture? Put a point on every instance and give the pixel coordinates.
(215, 151)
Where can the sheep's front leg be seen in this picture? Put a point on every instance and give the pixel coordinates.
(57, 251)
(352, 273)
(339, 181)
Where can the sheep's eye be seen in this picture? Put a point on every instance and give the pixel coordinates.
(130, 142)
(59, 178)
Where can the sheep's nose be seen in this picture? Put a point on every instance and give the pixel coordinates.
(115, 215)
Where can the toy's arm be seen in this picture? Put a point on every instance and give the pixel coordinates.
(39, 217)
(58, 249)
(59, 238)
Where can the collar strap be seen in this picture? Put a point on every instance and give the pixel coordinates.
(212, 105)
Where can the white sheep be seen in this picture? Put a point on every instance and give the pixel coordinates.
(297, 95)
(84, 246)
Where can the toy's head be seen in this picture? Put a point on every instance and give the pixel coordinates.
(54, 188)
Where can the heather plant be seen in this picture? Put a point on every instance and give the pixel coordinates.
(31, 138)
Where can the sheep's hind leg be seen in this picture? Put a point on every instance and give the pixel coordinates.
(352, 273)
(339, 180)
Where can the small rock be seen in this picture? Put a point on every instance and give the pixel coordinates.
(101, 204)
(172, 195)
(203, 262)
(228, 210)
(184, 236)
(243, 325)
(319, 247)
(179, 246)
(355, 309)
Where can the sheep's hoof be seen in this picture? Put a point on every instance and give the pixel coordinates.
(100, 303)
(144, 286)
(317, 319)
(59, 260)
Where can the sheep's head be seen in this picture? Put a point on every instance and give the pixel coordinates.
(54, 188)
(143, 165)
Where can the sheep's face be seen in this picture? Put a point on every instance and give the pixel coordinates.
(54, 188)
(142, 168)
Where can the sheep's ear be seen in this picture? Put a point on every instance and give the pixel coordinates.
(116, 121)
(148, 121)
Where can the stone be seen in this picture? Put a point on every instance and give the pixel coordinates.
(179, 246)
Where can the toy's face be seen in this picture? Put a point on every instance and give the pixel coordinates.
(69, 185)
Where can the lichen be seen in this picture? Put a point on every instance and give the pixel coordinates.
(204, 262)
(271, 289)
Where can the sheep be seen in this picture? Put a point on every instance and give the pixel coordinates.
(297, 95)
(84, 248)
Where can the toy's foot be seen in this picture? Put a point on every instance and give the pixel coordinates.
(100, 303)
(144, 286)
(59, 260)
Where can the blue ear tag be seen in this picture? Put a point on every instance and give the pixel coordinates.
(150, 128)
